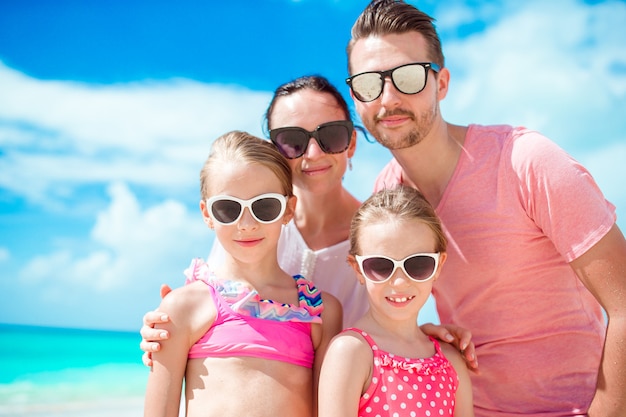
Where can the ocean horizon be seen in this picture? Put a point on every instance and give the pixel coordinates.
(51, 371)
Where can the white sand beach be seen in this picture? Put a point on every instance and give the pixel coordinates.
(127, 407)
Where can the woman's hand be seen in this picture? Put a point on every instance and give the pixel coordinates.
(150, 336)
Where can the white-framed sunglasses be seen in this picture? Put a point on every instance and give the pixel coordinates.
(420, 267)
(265, 208)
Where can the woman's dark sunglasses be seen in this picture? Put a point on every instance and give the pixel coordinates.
(408, 79)
(265, 208)
(332, 137)
(419, 267)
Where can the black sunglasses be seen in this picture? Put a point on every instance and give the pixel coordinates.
(332, 137)
(408, 79)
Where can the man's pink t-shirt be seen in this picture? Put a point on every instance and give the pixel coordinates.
(516, 211)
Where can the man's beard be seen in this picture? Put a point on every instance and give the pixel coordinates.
(421, 128)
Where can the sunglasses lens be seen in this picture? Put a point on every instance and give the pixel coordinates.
(334, 138)
(291, 143)
(225, 211)
(367, 86)
(409, 79)
(420, 267)
(377, 269)
(267, 209)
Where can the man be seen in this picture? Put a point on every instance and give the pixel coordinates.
(534, 249)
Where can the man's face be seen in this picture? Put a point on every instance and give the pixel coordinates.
(395, 119)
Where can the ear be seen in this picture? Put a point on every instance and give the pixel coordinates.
(355, 266)
(352, 145)
(442, 260)
(443, 80)
(290, 210)
(205, 214)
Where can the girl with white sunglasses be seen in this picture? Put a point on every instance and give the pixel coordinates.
(245, 337)
(385, 365)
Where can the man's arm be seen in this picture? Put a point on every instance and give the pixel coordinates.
(602, 269)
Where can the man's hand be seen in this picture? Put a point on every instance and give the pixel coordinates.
(457, 336)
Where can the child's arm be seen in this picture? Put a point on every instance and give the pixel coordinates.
(191, 312)
(464, 406)
(345, 375)
(332, 323)
(151, 334)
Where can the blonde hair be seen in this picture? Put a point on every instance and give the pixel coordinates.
(243, 148)
(402, 203)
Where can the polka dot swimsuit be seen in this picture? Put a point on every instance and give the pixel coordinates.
(406, 387)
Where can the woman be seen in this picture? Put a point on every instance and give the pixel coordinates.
(309, 122)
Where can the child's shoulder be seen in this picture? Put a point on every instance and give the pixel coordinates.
(191, 307)
(186, 297)
(449, 350)
(331, 302)
(349, 352)
(352, 341)
(452, 355)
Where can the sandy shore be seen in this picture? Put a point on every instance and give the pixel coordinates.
(128, 407)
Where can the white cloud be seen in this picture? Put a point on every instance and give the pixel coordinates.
(130, 244)
(550, 67)
(5, 254)
(155, 134)
(138, 117)
(454, 14)
(36, 270)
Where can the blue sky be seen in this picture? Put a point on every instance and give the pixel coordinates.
(108, 110)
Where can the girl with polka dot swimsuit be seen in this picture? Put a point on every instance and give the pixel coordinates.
(385, 365)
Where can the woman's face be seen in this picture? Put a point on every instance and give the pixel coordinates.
(315, 171)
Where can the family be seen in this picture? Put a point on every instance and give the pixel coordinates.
(308, 302)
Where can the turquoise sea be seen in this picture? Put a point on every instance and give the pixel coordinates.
(58, 372)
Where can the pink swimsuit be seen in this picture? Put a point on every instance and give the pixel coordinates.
(409, 387)
(247, 325)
